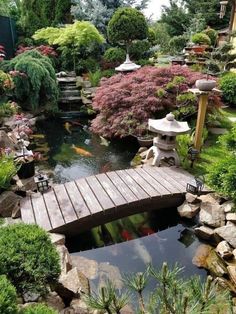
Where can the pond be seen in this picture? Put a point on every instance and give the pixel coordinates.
(70, 151)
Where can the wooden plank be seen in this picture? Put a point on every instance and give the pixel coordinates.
(169, 175)
(131, 183)
(77, 200)
(65, 203)
(27, 212)
(142, 182)
(111, 189)
(122, 187)
(156, 175)
(101, 195)
(53, 208)
(157, 186)
(40, 211)
(88, 196)
(181, 178)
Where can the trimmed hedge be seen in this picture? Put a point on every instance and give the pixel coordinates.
(228, 87)
(7, 296)
(28, 258)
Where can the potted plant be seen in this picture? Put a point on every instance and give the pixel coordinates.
(201, 41)
(26, 161)
(145, 137)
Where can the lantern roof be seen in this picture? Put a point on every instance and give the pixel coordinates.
(168, 126)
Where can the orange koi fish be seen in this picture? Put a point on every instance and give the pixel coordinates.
(67, 126)
(81, 151)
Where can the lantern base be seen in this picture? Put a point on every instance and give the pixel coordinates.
(159, 154)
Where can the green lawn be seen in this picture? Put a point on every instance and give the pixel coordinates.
(229, 112)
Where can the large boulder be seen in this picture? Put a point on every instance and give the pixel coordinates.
(10, 204)
(231, 217)
(212, 214)
(87, 266)
(192, 198)
(72, 284)
(224, 250)
(204, 232)
(55, 301)
(57, 238)
(188, 210)
(228, 206)
(212, 198)
(228, 233)
(79, 306)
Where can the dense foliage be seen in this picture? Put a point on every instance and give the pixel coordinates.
(126, 102)
(114, 54)
(201, 39)
(35, 80)
(8, 109)
(228, 87)
(126, 25)
(99, 12)
(43, 13)
(71, 39)
(7, 297)
(38, 309)
(8, 170)
(212, 34)
(6, 83)
(28, 258)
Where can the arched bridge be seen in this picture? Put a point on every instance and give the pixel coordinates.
(79, 205)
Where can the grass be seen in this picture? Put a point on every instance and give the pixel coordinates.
(229, 112)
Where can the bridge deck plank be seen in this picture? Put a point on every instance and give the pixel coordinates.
(40, 211)
(111, 189)
(27, 211)
(88, 195)
(77, 200)
(168, 175)
(53, 208)
(100, 193)
(135, 187)
(142, 182)
(65, 204)
(122, 187)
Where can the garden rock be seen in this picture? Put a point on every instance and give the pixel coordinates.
(31, 297)
(226, 284)
(55, 301)
(187, 210)
(201, 255)
(57, 238)
(87, 266)
(79, 306)
(191, 198)
(224, 250)
(5, 141)
(9, 204)
(228, 233)
(231, 217)
(204, 232)
(72, 284)
(67, 310)
(65, 259)
(212, 198)
(212, 214)
(232, 273)
(142, 149)
(228, 206)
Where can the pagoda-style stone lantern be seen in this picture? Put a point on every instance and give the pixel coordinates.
(164, 145)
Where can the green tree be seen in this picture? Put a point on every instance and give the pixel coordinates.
(127, 25)
(9, 7)
(43, 13)
(162, 36)
(71, 38)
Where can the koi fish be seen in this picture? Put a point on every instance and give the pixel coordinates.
(104, 141)
(145, 231)
(67, 126)
(126, 235)
(81, 151)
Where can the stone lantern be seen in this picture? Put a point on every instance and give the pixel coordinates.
(164, 144)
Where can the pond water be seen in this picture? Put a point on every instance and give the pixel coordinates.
(71, 151)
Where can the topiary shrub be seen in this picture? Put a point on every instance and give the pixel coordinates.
(28, 258)
(222, 176)
(114, 54)
(126, 102)
(201, 39)
(35, 80)
(212, 34)
(8, 297)
(228, 87)
(126, 25)
(139, 49)
(177, 44)
(39, 309)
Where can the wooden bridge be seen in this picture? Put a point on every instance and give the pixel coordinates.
(79, 205)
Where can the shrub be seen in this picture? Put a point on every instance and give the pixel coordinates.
(43, 49)
(212, 34)
(95, 77)
(28, 258)
(39, 309)
(229, 139)
(8, 297)
(126, 102)
(8, 109)
(222, 176)
(127, 24)
(87, 65)
(114, 54)
(177, 44)
(6, 83)
(228, 87)
(201, 39)
(8, 170)
(139, 49)
(35, 80)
